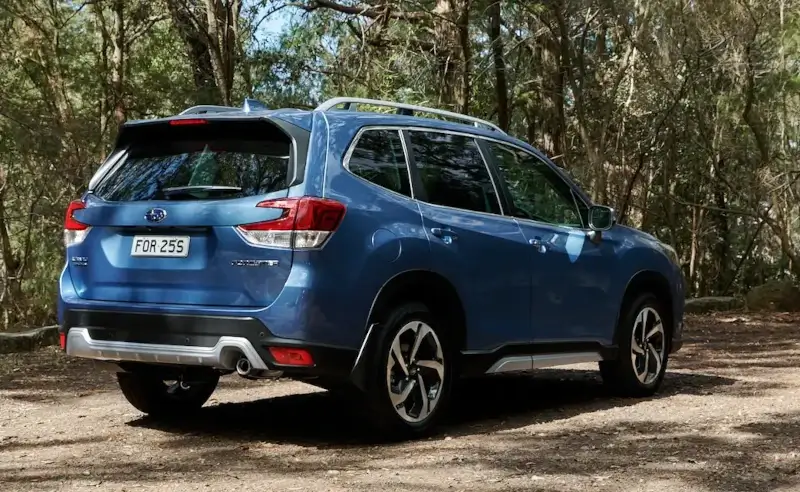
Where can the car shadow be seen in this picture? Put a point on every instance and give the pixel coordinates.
(479, 406)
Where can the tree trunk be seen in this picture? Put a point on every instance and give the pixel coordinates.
(553, 97)
(12, 288)
(464, 71)
(721, 250)
(452, 51)
(222, 20)
(198, 52)
(501, 85)
(118, 63)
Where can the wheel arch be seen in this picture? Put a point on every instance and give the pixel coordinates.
(432, 289)
(648, 281)
(437, 293)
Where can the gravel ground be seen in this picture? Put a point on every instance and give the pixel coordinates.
(727, 419)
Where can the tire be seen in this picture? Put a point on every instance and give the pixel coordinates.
(626, 376)
(396, 407)
(155, 397)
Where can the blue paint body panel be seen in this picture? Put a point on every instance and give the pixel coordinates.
(563, 288)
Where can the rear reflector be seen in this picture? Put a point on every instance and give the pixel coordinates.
(287, 356)
(305, 223)
(74, 231)
(62, 340)
(188, 121)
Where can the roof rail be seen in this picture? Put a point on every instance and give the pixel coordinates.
(350, 103)
(206, 108)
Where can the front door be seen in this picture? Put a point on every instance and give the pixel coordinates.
(570, 274)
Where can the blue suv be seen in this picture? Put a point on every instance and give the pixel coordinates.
(384, 254)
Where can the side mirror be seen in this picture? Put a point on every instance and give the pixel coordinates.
(601, 218)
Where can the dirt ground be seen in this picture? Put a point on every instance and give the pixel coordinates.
(727, 419)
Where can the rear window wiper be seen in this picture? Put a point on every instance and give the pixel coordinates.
(190, 191)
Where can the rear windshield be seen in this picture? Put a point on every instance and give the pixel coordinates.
(198, 169)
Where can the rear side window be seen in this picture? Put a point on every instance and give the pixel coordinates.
(223, 162)
(453, 172)
(378, 157)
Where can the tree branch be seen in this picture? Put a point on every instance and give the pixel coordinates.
(363, 10)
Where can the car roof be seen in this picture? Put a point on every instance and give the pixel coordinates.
(303, 118)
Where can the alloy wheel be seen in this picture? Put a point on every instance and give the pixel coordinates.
(415, 371)
(648, 345)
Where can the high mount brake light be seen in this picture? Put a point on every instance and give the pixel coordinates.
(188, 121)
(305, 223)
(74, 231)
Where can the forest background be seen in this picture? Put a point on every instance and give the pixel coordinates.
(680, 114)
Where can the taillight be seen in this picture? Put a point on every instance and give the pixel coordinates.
(305, 223)
(74, 232)
(288, 356)
(62, 340)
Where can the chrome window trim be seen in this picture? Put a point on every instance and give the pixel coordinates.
(401, 128)
(464, 134)
(408, 164)
(327, 152)
(491, 178)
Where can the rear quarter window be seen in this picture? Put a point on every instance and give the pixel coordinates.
(378, 157)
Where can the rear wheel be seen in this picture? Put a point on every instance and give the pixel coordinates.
(643, 349)
(411, 371)
(164, 397)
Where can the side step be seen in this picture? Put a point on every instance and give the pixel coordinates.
(517, 363)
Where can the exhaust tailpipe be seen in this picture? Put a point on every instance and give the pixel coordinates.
(243, 367)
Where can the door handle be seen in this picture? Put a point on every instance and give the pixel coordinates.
(446, 235)
(537, 243)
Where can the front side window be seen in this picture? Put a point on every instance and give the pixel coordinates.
(537, 192)
(378, 157)
(453, 172)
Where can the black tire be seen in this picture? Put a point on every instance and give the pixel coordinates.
(153, 396)
(381, 412)
(620, 375)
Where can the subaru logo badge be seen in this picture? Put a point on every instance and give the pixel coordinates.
(155, 215)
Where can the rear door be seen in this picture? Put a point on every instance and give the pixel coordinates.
(482, 252)
(163, 221)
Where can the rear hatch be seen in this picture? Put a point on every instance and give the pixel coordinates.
(161, 224)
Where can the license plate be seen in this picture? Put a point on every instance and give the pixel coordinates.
(160, 246)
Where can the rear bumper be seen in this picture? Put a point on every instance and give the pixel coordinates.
(223, 355)
(190, 340)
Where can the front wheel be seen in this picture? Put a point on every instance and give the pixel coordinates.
(411, 372)
(643, 350)
(166, 398)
